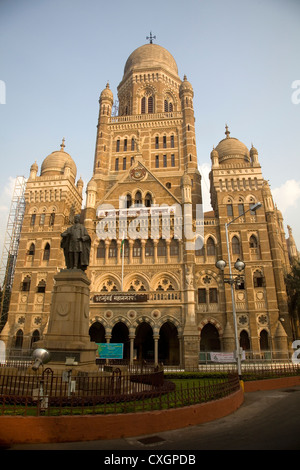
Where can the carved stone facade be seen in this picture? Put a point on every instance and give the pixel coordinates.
(146, 157)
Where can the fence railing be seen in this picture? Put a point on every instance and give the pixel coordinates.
(45, 396)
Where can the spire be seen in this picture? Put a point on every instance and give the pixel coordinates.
(62, 146)
(227, 132)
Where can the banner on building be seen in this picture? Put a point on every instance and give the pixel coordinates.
(225, 356)
(120, 298)
(222, 357)
(110, 350)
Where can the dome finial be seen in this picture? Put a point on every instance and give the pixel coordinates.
(227, 131)
(62, 146)
(151, 38)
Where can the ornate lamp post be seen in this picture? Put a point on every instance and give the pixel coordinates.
(235, 280)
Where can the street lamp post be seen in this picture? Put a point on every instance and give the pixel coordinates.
(239, 265)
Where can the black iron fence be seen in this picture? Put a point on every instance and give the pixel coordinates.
(27, 394)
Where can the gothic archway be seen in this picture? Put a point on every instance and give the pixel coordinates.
(144, 343)
(209, 338)
(120, 334)
(97, 332)
(168, 344)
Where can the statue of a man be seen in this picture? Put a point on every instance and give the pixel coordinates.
(76, 244)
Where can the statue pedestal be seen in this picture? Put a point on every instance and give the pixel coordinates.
(68, 330)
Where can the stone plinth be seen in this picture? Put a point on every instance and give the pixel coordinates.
(68, 330)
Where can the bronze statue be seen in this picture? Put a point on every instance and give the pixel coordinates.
(76, 244)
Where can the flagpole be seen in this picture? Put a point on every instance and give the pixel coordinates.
(122, 248)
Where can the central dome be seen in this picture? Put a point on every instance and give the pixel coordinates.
(150, 56)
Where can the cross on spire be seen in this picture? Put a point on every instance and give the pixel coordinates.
(227, 132)
(151, 38)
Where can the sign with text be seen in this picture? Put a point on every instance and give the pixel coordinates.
(120, 298)
(110, 350)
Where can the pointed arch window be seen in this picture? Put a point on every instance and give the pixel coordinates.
(25, 286)
(52, 219)
(236, 248)
(19, 339)
(41, 287)
(143, 105)
(148, 200)
(253, 242)
(150, 104)
(128, 201)
(258, 279)
(46, 255)
(31, 250)
(210, 247)
(138, 198)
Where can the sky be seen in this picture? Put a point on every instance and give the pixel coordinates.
(241, 57)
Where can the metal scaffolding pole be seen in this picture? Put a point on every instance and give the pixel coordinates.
(11, 245)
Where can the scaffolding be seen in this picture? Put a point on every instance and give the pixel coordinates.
(11, 245)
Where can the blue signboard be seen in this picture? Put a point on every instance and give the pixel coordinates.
(110, 350)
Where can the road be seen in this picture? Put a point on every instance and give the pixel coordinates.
(268, 420)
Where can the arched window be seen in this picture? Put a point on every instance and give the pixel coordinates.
(32, 219)
(25, 286)
(150, 104)
(244, 340)
(31, 250)
(41, 287)
(52, 219)
(258, 279)
(19, 339)
(35, 337)
(128, 201)
(210, 247)
(264, 340)
(148, 200)
(101, 249)
(138, 198)
(147, 105)
(253, 242)
(236, 249)
(46, 255)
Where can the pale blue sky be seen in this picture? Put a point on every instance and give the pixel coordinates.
(241, 57)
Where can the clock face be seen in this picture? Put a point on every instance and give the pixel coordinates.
(137, 173)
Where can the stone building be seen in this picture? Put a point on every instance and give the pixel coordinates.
(153, 288)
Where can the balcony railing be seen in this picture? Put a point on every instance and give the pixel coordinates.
(144, 117)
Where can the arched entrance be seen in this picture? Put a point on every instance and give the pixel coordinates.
(120, 334)
(244, 340)
(209, 339)
(97, 332)
(144, 342)
(264, 340)
(168, 344)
